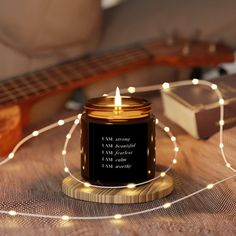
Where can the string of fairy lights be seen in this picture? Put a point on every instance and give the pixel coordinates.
(176, 149)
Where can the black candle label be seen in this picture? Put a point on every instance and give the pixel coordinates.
(119, 152)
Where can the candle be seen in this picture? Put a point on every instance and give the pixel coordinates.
(117, 140)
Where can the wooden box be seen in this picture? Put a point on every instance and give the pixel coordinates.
(196, 108)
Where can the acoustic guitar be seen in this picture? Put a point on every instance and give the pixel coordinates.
(17, 95)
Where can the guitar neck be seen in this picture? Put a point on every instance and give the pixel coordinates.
(71, 75)
(86, 70)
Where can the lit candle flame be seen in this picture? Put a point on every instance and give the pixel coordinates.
(118, 102)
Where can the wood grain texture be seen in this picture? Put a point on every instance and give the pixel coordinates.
(145, 193)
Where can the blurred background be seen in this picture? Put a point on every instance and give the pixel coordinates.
(38, 34)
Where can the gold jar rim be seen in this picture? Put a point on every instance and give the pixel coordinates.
(104, 108)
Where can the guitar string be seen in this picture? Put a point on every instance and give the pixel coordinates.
(44, 80)
(46, 77)
(119, 216)
(111, 62)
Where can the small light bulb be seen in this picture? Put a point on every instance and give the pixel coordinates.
(167, 205)
(61, 122)
(221, 101)
(167, 129)
(66, 169)
(131, 89)
(12, 213)
(11, 155)
(210, 186)
(228, 165)
(76, 122)
(174, 161)
(65, 217)
(105, 95)
(79, 116)
(221, 145)
(214, 86)
(157, 121)
(117, 216)
(173, 138)
(152, 138)
(68, 136)
(165, 85)
(131, 186)
(162, 174)
(86, 184)
(176, 149)
(221, 122)
(195, 81)
(63, 152)
(35, 133)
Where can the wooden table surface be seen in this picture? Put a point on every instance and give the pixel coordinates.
(32, 183)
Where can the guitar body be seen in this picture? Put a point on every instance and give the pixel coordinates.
(14, 118)
(17, 95)
(10, 128)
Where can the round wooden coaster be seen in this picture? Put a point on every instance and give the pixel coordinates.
(144, 193)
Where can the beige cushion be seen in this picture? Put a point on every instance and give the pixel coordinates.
(37, 33)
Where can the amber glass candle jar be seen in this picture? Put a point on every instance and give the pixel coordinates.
(117, 142)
